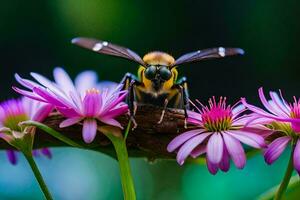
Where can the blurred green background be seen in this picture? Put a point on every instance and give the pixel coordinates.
(35, 36)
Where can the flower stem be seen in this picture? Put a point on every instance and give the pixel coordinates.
(287, 176)
(122, 155)
(52, 132)
(38, 175)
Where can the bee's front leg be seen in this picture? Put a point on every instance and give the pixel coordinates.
(132, 103)
(163, 111)
(126, 80)
(183, 87)
(130, 82)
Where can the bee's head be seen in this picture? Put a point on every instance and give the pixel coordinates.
(158, 73)
(157, 69)
(158, 65)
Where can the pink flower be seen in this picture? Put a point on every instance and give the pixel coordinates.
(86, 100)
(219, 134)
(15, 111)
(284, 118)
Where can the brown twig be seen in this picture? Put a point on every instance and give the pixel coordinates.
(149, 139)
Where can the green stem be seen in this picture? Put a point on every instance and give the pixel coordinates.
(126, 177)
(52, 132)
(287, 176)
(293, 184)
(38, 175)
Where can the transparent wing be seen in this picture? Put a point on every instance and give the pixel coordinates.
(208, 54)
(104, 47)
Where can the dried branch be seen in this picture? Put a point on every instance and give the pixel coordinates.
(149, 139)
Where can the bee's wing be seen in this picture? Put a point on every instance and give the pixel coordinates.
(207, 54)
(104, 47)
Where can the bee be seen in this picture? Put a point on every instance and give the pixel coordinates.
(157, 79)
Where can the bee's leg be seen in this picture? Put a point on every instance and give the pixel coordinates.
(186, 96)
(126, 80)
(180, 87)
(131, 103)
(130, 82)
(183, 86)
(174, 92)
(164, 110)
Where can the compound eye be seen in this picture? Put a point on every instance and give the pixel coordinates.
(165, 73)
(150, 72)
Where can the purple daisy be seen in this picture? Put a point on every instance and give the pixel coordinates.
(14, 111)
(219, 134)
(284, 118)
(85, 100)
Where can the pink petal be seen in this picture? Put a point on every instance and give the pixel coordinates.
(254, 119)
(86, 80)
(194, 118)
(212, 168)
(276, 148)
(47, 83)
(76, 99)
(194, 121)
(238, 110)
(267, 105)
(69, 122)
(296, 126)
(215, 148)
(224, 165)
(47, 95)
(109, 85)
(63, 80)
(26, 83)
(67, 112)
(31, 106)
(280, 103)
(259, 130)
(92, 104)
(278, 110)
(198, 151)
(257, 109)
(111, 105)
(89, 130)
(254, 108)
(296, 157)
(42, 112)
(182, 138)
(189, 146)
(120, 110)
(28, 94)
(235, 150)
(248, 138)
(263, 113)
(111, 121)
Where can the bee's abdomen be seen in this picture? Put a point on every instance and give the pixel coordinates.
(156, 99)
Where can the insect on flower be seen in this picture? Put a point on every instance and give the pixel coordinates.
(157, 82)
(85, 101)
(219, 133)
(284, 118)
